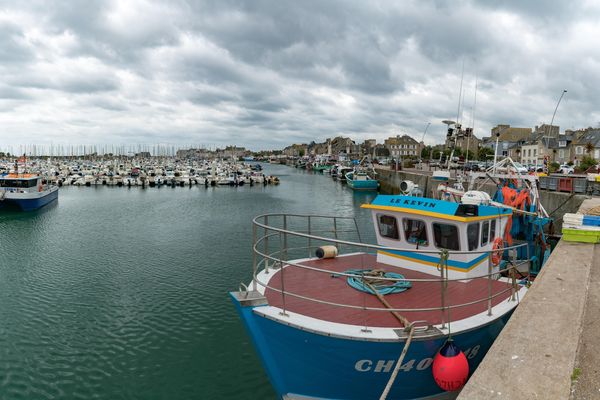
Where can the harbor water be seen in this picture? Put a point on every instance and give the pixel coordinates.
(115, 293)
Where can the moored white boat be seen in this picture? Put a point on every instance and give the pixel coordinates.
(26, 191)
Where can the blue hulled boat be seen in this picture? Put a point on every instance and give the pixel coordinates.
(361, 180)
(26, 192)
(334, 325)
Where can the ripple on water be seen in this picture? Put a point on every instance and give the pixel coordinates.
(120, 294)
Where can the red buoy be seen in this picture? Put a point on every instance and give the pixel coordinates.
(450, 367)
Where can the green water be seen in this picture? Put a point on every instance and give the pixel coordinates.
(116, 293)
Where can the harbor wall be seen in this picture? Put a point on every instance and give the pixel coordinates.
(548, 349)
(555, 203)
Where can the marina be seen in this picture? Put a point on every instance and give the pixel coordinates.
(147, 172)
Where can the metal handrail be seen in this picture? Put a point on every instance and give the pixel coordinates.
(357, 244)
(453, 306)
(271, 257)
(275, 257)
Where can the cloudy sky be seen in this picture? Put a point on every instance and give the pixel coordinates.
(264, 74)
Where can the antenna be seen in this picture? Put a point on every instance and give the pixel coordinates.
(472, 122)
(460, 91)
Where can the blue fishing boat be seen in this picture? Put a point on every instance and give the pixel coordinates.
(361, 180)
(368, 321)
(26, 192)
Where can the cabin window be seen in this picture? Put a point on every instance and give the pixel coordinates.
(485, 230)
(446, 236)
(388, 227)
(492, 230)
(18, 183)
(415, 232)
(473, 235)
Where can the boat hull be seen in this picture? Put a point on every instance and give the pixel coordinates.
(362, 185)
(302, 364)
(30, 201)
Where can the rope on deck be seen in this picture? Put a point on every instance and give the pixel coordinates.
(388, 387)
(376, 284)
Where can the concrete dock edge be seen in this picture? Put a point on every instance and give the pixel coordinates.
(536, 354)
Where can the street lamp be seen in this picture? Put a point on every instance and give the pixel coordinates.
(553, 115)
(556, 108)
(422, 141)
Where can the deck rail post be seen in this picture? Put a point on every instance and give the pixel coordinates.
(357, 230)
(281, 272)
(266, 244)
(513, 273)
(309, 234)
(444, 281)
(285, 238)
(254, 266)
(335, 233)
(489, 298)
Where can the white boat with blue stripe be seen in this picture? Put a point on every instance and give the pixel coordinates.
(26, 192)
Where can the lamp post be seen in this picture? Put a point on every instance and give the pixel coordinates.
(421, 152)
(553, 115)
(556, 108)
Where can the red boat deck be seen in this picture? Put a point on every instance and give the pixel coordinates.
(328, 287)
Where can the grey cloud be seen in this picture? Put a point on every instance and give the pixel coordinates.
(267, 73)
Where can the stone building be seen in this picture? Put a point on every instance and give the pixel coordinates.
(403, 146)
(585, 143)
(510, 133)
(296, 150)
(547, 130)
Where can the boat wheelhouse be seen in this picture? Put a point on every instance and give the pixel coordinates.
(408, 224)
(335, 324)
(25, 191)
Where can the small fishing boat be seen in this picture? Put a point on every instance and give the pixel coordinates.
(333, 317)
(342, 171)
(26, 191)
(360, 179)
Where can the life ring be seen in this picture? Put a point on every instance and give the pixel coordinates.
(497, 250)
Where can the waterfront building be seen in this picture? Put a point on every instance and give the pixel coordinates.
(510, 133)
(585, 142)
(534, 150)
(403, 146)
(296, 150)
(547, 130)
(562, 150)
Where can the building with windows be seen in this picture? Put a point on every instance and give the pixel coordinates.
(533, 151)
(561, 149)
(296, 150)
(547, 130)
(585, 143)
(403, 146)
(510, 133)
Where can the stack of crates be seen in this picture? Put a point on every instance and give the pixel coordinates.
(581, 228)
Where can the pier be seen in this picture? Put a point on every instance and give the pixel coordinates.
(549, 348)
